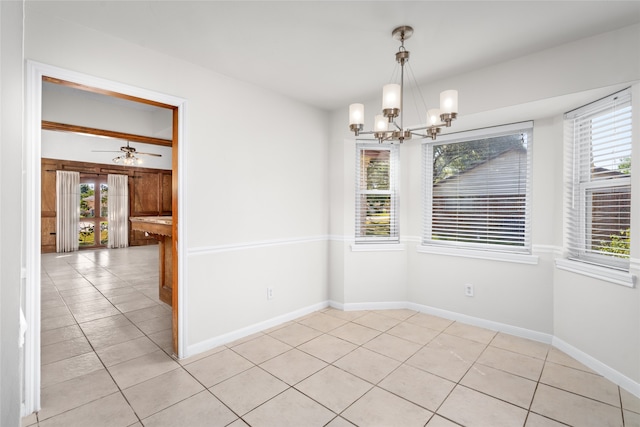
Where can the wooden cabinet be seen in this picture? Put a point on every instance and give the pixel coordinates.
(166, 206)
(48, 206)
(149, 195)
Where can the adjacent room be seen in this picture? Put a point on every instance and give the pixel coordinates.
(304, 213)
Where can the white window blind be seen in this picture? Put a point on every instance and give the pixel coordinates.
(598, 181)
(477, 189)
(376, 193)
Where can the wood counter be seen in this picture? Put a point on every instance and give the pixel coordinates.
(159, 227)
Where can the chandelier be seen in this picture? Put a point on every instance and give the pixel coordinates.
(128, 159)
(392, 106)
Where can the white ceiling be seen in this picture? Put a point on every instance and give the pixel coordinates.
(331, 53)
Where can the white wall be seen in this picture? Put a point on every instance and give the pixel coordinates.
(537, 297)
(255, 195)
(10, 213)
(62, 104)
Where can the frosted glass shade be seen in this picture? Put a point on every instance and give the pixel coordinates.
(433, 116)
(449, 101)
(391, 96)
(356, 114)
(380, 123)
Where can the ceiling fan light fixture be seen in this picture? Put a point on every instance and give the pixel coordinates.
(128, 159)
(129, 156)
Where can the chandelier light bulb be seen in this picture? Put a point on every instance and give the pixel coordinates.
(380, 124)
(433, 116)
(449, 101)
(356, 114)
(391, 96)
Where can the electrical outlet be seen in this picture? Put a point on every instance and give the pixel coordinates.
(269, 293)
(468, 290)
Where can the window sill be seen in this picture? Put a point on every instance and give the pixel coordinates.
(597, 272)
(377, 247)
(478, 254)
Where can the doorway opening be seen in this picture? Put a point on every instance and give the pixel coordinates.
(93, 219)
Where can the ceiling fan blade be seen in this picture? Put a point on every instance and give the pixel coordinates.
(149, 154)
(105, 151)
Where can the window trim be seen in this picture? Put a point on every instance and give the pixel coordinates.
(519, 258)
(519, 254)
(377, 246)
(577, 213)
(596, 271)
(394, 174)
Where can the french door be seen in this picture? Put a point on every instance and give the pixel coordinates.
(93, 228)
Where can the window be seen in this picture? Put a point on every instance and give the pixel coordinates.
(477, 189)
(376, 193)
(598, 142)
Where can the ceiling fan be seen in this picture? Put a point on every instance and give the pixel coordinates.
(129, 156)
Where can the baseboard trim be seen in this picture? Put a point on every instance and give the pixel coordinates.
(463, 318)
(606, 371)
(591, 362)
(251, 329)
(391, 305)
(337, 305)
(484, 323)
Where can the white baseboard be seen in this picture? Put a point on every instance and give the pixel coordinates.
(392, 305)
(251, 329)
(609, 373)
(337, 305)
(483, 323)
(463, 318)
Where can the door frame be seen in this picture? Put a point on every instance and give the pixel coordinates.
(31, 195)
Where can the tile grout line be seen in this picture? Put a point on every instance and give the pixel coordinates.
(98, 356)
(120, 390)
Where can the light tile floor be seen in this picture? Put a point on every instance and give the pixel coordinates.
(106, 361)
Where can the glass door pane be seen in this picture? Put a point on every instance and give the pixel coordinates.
(86, 230)
(93, 227)
(104, 233)
(104, 195)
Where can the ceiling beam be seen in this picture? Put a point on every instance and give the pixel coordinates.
(106, 92)
(62, 127)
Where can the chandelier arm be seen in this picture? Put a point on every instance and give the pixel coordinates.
(439, 125)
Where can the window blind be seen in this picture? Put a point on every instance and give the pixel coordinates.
(477, 189)
(376, 193)
(598, 181)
